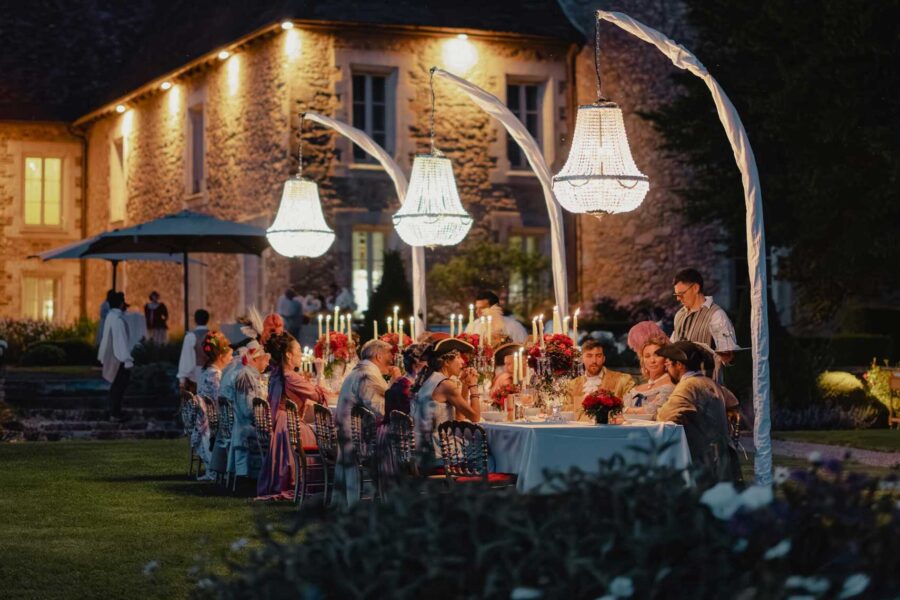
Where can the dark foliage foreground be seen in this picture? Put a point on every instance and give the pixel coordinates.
(632, 531)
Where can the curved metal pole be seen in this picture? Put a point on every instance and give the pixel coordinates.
(362, 139)
(492, 105)
(756, 237)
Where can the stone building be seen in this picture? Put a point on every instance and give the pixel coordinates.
(206, 116)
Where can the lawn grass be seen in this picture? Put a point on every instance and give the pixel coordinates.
(81, 519)
(883, 440)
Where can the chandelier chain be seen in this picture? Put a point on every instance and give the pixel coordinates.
(597, 58)
(431, 85)
(300, 145)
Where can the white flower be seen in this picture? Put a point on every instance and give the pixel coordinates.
(205, 584)
(525, 593)
(621, 587)
(815, 585)
(782, 474)
(815, 457)
(854, 585)
(778, 550)
(238, 544)
(150, 567)
(740, 546)
(756, 496)
(722, 500)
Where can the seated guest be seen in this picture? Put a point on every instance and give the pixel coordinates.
(698, 404)
(643, 400)
(277, 475)
(596, 377)
(365, 386)
(241, 386)
(191, 361)
(400, 395)
(503, 360)
(446, 390)
(217, 354)
(272, 325)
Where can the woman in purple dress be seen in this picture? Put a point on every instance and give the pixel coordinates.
(277, 476)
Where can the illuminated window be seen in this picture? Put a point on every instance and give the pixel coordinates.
(43, 191)
(39, 298)
(526, 287)
(524, 100)
(118, 194)
(368, 265)
(373, 111)
(196, 150)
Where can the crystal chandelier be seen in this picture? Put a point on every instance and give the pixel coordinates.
(299, 228)
(600, 176)
(432, 213)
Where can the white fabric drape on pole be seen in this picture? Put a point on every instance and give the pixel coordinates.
(756, 239)
(361, 139)
(492, 105)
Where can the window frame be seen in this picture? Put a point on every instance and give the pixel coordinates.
(390, 109)
(190, 157)
(57, 295)
(370, 260)
(115, 143)
(521, 112)
(63, 195)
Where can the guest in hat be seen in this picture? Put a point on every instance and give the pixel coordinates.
(644, 400)
(399, 396)
(699, 404)
(115, 354)
(446, 390)
(503, 360)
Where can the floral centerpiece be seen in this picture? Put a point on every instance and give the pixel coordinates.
(338, 349)
(483, 358)
(561, 352)
(500, 394)
(394, 340)
(601, 405)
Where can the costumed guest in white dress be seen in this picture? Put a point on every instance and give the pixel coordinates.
(217, 354)
(446, 390)
(644, 400)
(241, 386)
(364, 386)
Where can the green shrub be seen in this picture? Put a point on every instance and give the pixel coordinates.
(878, 384)
(83, 329)
(148, 353)
(823, 417)
(839, 388)
(20, 334)
(44, 355)
(78, 351)
(848, 349)
(633, 531)
(153, 379)
(883, 320)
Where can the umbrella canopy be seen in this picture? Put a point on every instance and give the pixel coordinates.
(184, 232)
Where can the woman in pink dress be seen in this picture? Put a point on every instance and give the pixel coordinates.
(277, 476)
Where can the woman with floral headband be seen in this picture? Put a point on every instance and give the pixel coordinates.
(216, 354)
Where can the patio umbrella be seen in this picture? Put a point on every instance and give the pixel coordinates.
(79, 250)
(183, 233)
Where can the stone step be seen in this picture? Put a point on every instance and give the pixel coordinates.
(100, 414)
(98, 402)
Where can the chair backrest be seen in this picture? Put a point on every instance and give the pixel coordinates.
(402, 439)
(188, 411)
(363, 427)
(326, 433)
(464, 449)
(293, 423)
(226, 420)
(262, 421)
(212, 415)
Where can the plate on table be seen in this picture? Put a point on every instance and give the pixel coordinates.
(493, 416)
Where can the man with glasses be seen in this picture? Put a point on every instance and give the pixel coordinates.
(702, 321)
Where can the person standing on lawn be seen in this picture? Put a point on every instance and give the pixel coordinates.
(115, 354)
(157, 317)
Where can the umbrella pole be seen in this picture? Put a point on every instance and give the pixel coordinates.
(115, 268)
(187, 323)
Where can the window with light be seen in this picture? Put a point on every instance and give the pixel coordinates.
(373, 111)
(43, 191)
(368, 265)
(39, 298)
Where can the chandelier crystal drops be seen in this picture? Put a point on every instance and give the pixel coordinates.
(299, 229)
(432, 213)
(600, 176)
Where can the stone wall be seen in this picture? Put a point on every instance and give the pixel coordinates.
(18, 241)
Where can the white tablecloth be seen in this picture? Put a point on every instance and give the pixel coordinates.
(526, 449)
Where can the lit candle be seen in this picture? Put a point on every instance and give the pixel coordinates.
(471, 314)
(320, 326)
(375, 325)
(390, 327)
(349, 324)
(340, 328)
(515, 373)
(400, 337)
(556, 322)
(541, 329)
(452, 321)
(396, 310)
(524, 364)
(575, 323)
(327, 337)
(490, 318)
(459, 320)
(412, 328)
(336, 311)
(534, 334)
(327, 324)
(566, 325)
(481, 337)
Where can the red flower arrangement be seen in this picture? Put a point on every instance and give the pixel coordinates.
(499, 395)
(600, 404)
(394, 340)
(561, 350)
(474, 338)
(339, 346)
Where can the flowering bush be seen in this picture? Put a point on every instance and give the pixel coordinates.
(339, 346)
(561, 350)
(394, 340)
(22, 334)
(600, 404)
(878, 382)
(499, 395)
(631, 531)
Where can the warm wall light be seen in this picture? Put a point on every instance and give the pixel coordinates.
(174, 101)
(459, 54)
(120, 108)
(127, 124)
(287, 25)
(292, 44)
(224, 54)
(166, 85)
(233, 66)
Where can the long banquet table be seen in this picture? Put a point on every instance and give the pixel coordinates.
(526, 449)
